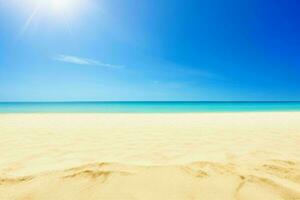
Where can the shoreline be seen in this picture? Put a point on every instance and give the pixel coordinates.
(155, 113)
(148, 107)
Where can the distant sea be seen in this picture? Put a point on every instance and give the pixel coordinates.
(145, 107)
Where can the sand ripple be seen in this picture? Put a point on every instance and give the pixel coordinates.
(198, 180)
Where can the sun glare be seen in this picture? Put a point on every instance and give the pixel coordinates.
(57, 7)
(61, 6)
(59, 11)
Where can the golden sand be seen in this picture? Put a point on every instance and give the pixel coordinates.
(209, 156)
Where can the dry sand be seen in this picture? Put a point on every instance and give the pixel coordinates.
(209, 156)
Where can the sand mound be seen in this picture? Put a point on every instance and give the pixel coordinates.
(199, 180)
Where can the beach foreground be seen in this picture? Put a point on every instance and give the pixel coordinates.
(242, 156)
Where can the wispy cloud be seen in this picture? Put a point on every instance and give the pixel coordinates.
(84, 61)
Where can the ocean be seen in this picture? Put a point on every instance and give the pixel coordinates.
(145, 107)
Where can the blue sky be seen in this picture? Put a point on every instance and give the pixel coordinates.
(106, 50)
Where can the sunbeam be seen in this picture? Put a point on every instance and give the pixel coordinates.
(29, 19)
(58, 12)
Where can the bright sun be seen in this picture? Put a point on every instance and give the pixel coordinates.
(57, 7)
(57, 12)
(61, 5)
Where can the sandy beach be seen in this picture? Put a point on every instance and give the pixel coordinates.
(209, 156)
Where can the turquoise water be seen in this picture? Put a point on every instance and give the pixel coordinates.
(146, 107)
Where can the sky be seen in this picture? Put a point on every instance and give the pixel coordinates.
(143, 50)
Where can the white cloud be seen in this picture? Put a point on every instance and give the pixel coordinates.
(84, 61)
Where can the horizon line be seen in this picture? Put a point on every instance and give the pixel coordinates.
(158, 101)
